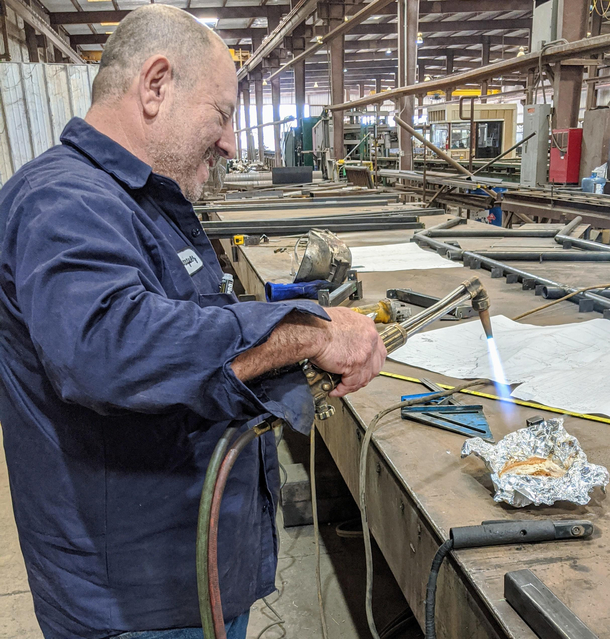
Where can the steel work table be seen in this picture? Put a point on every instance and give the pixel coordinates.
(418, 487)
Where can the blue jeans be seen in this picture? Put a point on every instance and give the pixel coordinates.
(236, 629)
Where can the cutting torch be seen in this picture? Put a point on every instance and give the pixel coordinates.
(396, 335)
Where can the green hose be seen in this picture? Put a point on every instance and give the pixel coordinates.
(203, 531)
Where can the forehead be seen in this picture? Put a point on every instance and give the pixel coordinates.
(221, 79)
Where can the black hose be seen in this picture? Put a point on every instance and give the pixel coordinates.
(441, 553)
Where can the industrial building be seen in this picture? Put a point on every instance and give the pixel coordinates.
(304, 319)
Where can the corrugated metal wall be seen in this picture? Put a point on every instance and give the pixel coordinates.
(36, 102)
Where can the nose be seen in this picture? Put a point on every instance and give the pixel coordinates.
(225, 145)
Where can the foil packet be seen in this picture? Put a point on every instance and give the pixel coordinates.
(547, 440)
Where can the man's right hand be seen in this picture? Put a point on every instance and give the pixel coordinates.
(350, 346)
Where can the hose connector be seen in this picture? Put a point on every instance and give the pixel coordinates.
(480, 303)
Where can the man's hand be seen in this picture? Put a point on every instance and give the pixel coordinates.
(351, 348)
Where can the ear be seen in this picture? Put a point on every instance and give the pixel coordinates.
(155, 84)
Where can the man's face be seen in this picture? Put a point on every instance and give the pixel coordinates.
(196, 127)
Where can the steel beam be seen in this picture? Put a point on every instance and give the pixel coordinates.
(34, 20)
(552, 54)
(340, 30)
(258, 96)
(290, 22)
(459, 6)
(95, 17)
(572, 25)
(245, 91)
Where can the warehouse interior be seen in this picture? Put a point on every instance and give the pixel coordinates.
(440, 167)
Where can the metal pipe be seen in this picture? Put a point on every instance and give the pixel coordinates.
(441, 311)
(547, 256)
(502, 155)
(289, 118)
(553, 54)
(563, 237)
(441, 154)
(501, 232)
(457, 254)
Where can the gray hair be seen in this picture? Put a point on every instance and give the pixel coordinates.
(152, 30)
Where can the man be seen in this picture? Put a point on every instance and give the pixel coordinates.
(121, 363)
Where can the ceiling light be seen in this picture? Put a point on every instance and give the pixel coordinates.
(521, 52)
(315, 85)
(109, 24)
(319, 39)
(264, 83)
(209, 22)
(344, 70)
(427, 78)
(420, 38)
(388, 52)
(345, 18)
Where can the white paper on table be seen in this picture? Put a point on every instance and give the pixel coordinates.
(566, 366)
(406, 256)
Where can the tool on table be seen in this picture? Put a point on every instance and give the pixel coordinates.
(386, 311)
(408, 296)
(542, 610)
(448, 414)
(396, 335)
(499, 533)
(468, 420)
(323, 273)
(295, 290)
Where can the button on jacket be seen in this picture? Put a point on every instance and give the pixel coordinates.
(115, 385)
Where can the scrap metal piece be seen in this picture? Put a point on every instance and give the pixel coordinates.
(351, 289)
(542, 610)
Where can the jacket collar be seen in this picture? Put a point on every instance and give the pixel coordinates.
(109, 155)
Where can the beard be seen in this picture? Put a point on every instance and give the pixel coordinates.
(176, 157)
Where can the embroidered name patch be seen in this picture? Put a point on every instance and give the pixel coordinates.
(192, 262)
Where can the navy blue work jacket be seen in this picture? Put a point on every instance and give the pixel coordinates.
(115, 385)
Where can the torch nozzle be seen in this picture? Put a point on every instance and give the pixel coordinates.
(486, 321)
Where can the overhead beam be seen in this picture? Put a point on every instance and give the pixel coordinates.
(580, 48)
(288, 24)
(508, 41)
(95, 17)
(464, 6)
(448, 25)
(34, 20)
(343, 28)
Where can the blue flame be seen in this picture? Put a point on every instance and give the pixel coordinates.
(502, 387)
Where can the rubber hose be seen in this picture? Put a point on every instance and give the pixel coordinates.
(441, 553)
(221, 481)
(203, 529)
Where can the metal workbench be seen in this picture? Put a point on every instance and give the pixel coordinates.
(419, 487)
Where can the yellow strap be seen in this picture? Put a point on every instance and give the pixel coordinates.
(519, 402)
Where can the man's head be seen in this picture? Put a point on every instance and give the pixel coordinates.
(172, 82)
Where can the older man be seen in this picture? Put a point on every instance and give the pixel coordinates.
(121, 363)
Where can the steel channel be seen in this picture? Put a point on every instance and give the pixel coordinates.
(441, 312)
(246, 229)
(457, 254)
(299, 221)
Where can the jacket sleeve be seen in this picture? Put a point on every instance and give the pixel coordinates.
(106, 333)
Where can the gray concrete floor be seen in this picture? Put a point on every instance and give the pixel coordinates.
(342, 569)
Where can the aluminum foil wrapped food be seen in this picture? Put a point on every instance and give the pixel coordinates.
(538, 465)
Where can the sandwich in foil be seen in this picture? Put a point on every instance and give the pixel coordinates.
(538, 465)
